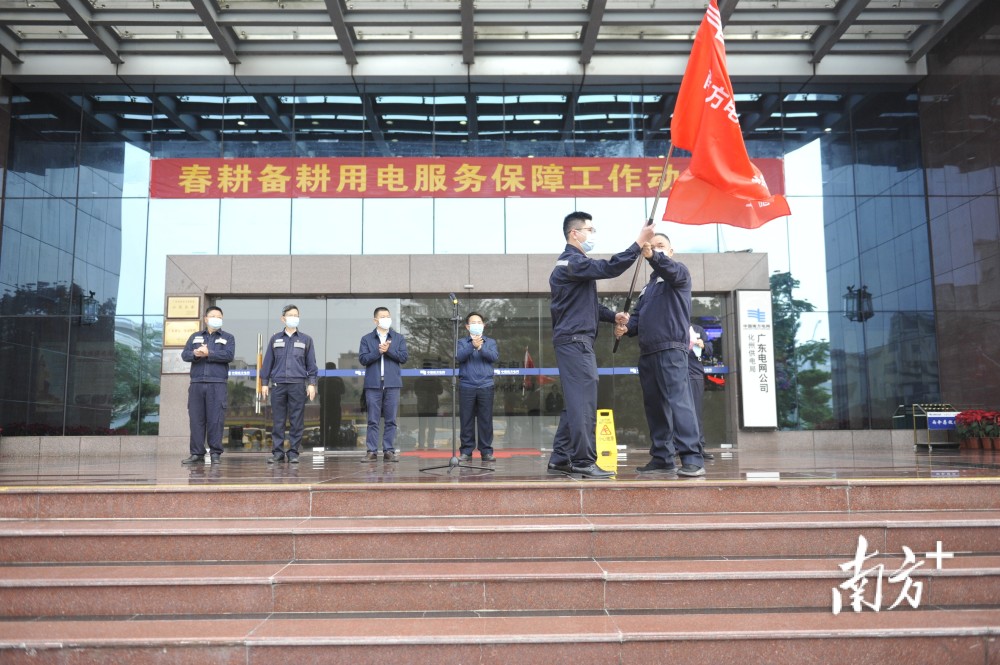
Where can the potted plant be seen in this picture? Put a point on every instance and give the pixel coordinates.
(990, 425)
(978, 428)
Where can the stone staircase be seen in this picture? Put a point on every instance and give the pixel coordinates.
(498, 572)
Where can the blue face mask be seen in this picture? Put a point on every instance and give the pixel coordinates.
(476, 328)
(587, 245)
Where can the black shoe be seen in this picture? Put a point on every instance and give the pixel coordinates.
(465, 457)
(592, 471)
(564, 467)
(216, 458)
(707, 455)
(656, 466)
(390, 456)
(194, 459)
(370, 457)
(488, 457)
(293, 460)
(275, 458)
(691, 471)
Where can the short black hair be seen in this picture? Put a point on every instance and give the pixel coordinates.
(380, 309)
(472, 314)
(665, 236)
(287, 308)
(577, 216)
(212, 308)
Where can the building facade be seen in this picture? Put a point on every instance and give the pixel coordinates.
(893, 188)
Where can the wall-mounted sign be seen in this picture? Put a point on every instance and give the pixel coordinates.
(176, 333)
(756, 360)
(183, 307)
(421, 177)
(172, 363)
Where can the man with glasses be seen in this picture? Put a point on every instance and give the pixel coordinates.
(575, 315)
(288, 375)
(662, 322)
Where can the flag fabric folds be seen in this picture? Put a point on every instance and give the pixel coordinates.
(721, 185)
(529, 381)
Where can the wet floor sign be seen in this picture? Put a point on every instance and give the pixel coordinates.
(607, 444)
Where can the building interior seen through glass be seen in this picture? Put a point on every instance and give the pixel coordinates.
(526, 407)
(81, 234)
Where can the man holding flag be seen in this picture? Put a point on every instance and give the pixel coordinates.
(721, 185)
(576, 313)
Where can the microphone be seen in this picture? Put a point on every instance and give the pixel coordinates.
(452, 298)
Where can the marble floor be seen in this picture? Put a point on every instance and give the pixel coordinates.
(318, 467)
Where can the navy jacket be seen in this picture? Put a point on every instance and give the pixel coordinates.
(694, 362)
(368, 355)
(476, 367)
(289, 359)
(663, 314)
(574, 307)
(215, 367)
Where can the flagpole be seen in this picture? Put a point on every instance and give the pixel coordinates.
(649, 222)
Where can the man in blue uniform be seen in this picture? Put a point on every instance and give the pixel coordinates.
(575, 314)
(289, 364)
(475, 357)
(382, 352)
(209, 351)
(661, 320)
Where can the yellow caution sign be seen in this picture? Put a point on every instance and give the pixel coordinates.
(607, 443)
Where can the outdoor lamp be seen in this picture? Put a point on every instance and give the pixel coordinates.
(88, 310)
(858, 304)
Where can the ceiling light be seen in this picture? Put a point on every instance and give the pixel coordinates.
(315, 122)
(241, 122)
(537, 122)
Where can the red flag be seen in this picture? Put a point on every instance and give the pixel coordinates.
(529, 381)
(721, 185)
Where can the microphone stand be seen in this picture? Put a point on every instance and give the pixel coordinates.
(454, 462)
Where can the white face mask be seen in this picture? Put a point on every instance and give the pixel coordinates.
(385, 323)
(476, 328)
(292, 321)
(214, 322)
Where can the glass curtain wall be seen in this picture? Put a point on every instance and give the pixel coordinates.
(526, 407)
(84, 247)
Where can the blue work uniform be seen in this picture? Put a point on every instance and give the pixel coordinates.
(207, 392)
(383, 380)
(289, 365)
(661, 319)
(475, 384)
(696, 380)
(575, 314)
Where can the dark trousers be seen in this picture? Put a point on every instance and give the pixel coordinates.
(288, 402)
(575, 440)
(666, 396)
(383, 403)
(476, 413)
(697, 384)
(426, 428)
(207, 415)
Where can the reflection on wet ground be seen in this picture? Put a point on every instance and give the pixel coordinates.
(513, 465)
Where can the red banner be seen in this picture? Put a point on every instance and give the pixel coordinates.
(721, 185)
(415, 177)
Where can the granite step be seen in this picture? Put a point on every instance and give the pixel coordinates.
(719, 585)
(622, 497)
(556, 537)
(956, 637)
